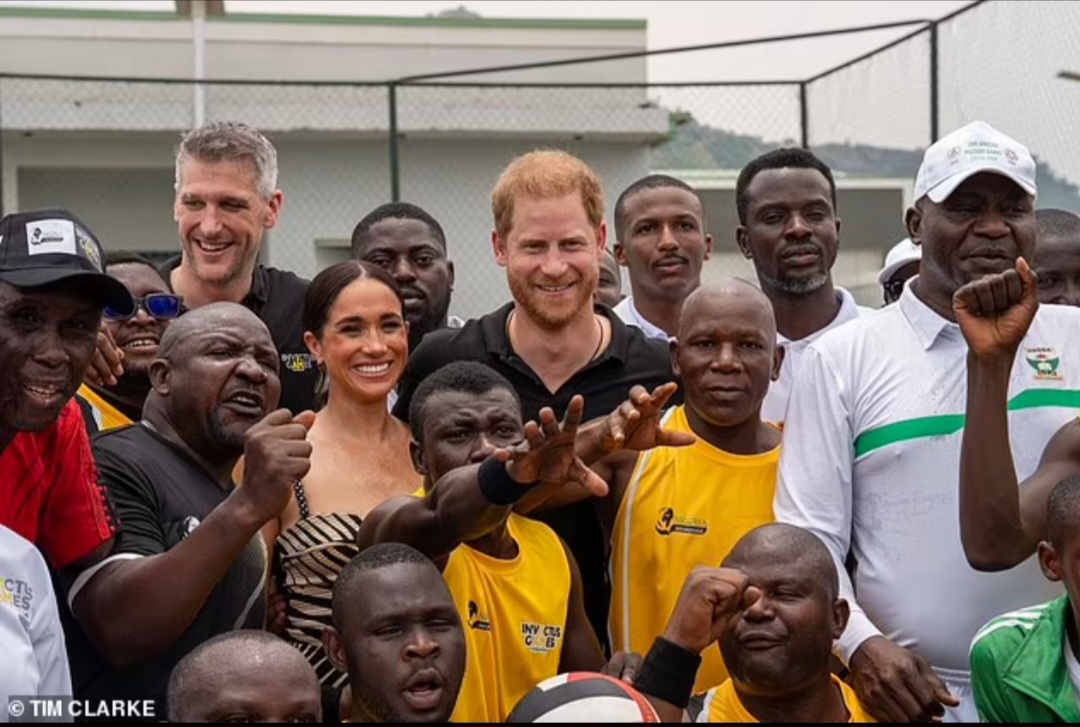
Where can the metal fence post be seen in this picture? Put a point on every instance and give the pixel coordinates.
(395, 171)
(804, 127)
(933, 82)
(1, 149)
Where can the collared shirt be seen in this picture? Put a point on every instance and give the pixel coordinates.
(775, 403)
(631, 316)
(629, 359)
(871, 462)
(277, 298)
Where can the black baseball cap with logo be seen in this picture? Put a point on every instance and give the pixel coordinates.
(51, 246)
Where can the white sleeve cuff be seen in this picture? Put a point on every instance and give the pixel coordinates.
(859, 629)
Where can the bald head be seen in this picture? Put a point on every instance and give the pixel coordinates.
(206, 319)
(249, 673)
(788, 544)
(728, 297)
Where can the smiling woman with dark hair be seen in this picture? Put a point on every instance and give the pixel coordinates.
(355, 328)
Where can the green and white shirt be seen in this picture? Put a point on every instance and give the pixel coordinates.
(871, 462)
(1019, 666)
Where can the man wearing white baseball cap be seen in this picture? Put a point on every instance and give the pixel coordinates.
(901, 264)
(873, 436)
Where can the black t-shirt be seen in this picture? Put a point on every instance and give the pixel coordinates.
(277, 298)
(630, 359)
(160, 495)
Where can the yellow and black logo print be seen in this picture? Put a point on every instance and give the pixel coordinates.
(668, 523)
(477, 620)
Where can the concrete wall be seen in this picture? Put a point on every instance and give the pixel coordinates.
(267, 47)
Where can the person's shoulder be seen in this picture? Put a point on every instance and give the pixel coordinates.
(1003, 635)
(469, 342)
(129, 443)
(1051, 315)
(17, 550)
(640, 346)
(870, 326)
(285, 281)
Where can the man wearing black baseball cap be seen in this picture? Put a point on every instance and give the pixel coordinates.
(52, 294)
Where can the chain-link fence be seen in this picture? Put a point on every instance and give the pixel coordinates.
(104, 147)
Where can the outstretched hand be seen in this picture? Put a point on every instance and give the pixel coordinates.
(635, 424)
(547, 454)
(995, 312)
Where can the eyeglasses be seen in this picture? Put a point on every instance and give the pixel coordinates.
(161, 306)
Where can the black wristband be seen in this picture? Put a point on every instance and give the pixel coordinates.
(497, 485)
(668, 672)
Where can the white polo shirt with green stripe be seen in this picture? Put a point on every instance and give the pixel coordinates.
(871, 461)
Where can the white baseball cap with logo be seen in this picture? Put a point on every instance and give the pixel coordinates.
(977, 147)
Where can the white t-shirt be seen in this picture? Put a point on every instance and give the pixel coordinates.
(871, 459)
(33, 658)
(631, 316)
(774, 406)
(1074, 668)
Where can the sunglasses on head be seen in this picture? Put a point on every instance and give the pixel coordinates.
(162, 306)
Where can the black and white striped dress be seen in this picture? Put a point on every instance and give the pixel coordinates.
(309, 556)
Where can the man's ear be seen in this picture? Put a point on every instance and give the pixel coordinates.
(913, 224)
(620, 254)
(160, 375)
(841, 612)
(450, 274)
(1049, 562)
(673, 347)
(742, 239)
(335, 649)
(498, 246)
(778, 361)
(416, 454)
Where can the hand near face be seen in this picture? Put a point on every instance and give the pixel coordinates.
(995, 312)
(635, 425)
(547, 454)
(710, 597)
(276, 455)
(107, 365)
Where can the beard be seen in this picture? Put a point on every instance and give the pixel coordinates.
(553, 317)
(796, 287)
(228, 439)
(432, 320)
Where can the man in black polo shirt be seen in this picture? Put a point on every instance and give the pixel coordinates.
(552, 342)
(226, 200)
(188, 562)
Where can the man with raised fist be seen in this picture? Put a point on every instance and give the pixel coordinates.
(188, 562)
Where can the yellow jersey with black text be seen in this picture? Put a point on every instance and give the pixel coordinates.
(514, 614)
(723, 705)
(683, 507)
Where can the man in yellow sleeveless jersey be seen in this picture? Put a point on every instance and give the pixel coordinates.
(515, 585)
(672, 509)
(137, 336)
(774, 608)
